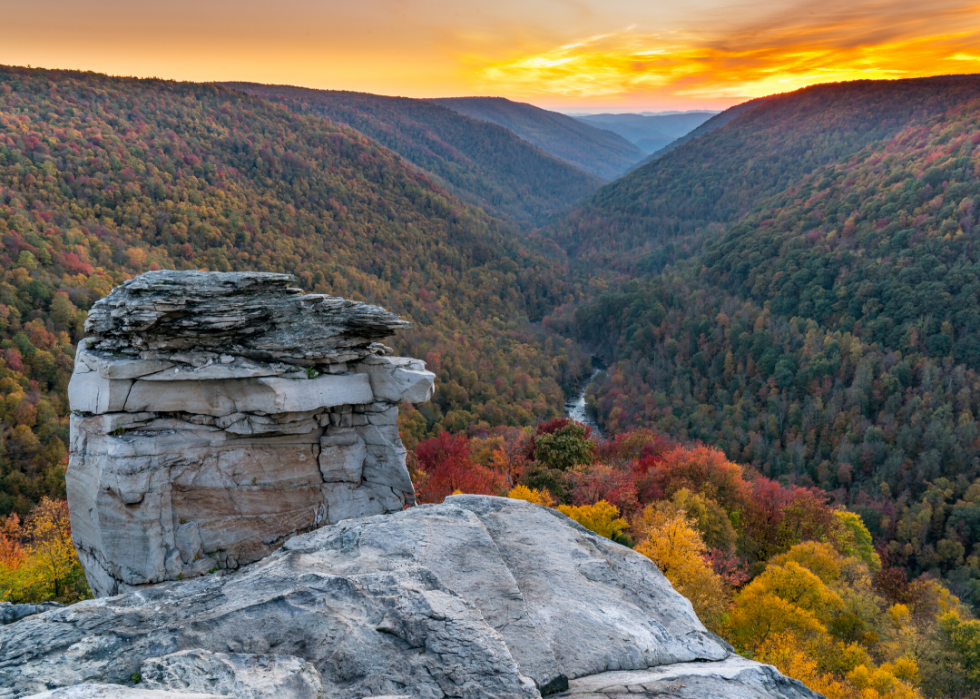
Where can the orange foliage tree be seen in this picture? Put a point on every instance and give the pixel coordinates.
(45, 566)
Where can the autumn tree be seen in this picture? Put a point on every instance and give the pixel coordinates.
(448, 467)
(48, 567)
(601, 517)
(672, 541)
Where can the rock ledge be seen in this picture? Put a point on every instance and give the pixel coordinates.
(476, 598)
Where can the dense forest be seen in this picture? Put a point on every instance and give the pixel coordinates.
(828, 336)
(666, 207)
(592, 149)
(104, 178)
(477, 161)
(788, 303)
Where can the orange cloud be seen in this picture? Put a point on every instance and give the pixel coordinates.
(769, 55)
(557, 53)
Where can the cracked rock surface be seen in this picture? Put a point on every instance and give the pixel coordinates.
(214, 415)
(478, 597)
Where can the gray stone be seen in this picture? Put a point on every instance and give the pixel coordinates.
(115, 691)
(264, 395)
(476, 598)
(9, 613)
(239, 675)
(399, 379)
(732, 678)
(249, 314)
(198, 443)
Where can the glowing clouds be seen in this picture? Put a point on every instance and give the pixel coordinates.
(757, 56)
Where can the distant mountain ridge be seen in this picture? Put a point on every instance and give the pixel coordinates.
(714, 178)
(648, 132)
(592, 149)
(481, 163)
(715, 122)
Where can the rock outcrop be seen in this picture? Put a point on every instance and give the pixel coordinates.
(476, 598)
(214, 415)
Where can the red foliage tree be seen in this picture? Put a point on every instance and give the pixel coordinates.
(632, 446)
(603, 482)
(448, 467)
(703, 470)
(778, 517)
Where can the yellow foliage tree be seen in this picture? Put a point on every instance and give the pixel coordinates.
(538, 497)
(819, 558)
(49, 568)
(672, 541)
(602, 518)
(785, 651)
(786, 598)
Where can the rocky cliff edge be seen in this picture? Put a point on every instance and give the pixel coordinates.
(479, 597)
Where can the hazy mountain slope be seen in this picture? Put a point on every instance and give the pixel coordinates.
(600, 152)
(832, 335)
(722, 175)
(481, 163)
(716, 121)
(648, 132)
(102, 178)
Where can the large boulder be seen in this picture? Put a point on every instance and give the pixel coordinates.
(214, 415)
(479, 597)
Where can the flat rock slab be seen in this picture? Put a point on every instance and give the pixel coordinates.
(732, 678)
(478, 598)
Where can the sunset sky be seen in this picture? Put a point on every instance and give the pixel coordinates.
(572, 55)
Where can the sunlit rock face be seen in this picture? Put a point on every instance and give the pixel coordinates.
(214, 415)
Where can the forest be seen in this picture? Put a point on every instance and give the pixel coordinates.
(787, 305)
(481, 163)
(827, 339)
(104, 178)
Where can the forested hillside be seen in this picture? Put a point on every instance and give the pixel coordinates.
(717, 121)
(103, 178)
(648, 132)
(481, 163)
(724, 174)
(829, 336)
(594, 150)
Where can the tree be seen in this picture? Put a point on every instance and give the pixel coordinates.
(672, 542)
(538, 497)
(601, 517)
(448, 467)
(784, 599)
(565, 447)
(48, 568)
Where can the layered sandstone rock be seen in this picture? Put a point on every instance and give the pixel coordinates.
(216, 414)
(475, 598)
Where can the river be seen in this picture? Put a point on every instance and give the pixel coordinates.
(575, 408)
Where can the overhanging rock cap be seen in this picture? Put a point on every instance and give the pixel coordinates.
(252, 314)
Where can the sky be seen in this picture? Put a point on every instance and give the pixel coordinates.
(568, 55)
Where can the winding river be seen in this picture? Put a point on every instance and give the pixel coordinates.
(575, 408)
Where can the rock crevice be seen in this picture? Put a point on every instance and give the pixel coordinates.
(214, 415)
